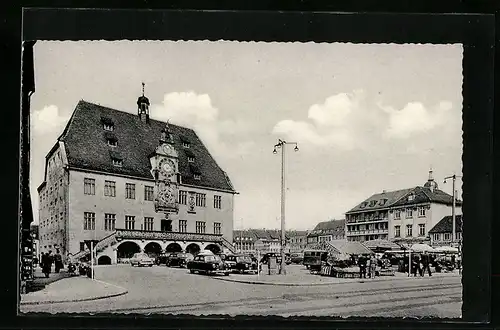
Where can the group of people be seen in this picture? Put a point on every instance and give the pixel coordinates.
(420, 264)
(46, 261)
(367, 265)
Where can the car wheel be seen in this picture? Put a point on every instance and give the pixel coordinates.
(191, 271)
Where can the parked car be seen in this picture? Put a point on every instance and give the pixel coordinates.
(297, 258)
(207, 264)
(141, 259)
(241, 264)
(178, 259)
(162, 259)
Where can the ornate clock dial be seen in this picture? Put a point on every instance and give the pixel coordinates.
(167, 167)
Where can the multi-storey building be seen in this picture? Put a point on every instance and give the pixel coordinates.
(442, 233)
(403, 216)
(262, 240)
(327, 231)
(99, 186)
(298, 241)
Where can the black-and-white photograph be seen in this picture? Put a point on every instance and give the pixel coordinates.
(245, 178)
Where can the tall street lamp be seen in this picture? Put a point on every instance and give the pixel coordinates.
(282, 145)
(453, 215)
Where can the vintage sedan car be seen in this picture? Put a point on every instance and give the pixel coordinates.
(178, 259)
(141, 259)
(162, 259)
(241, 264)
(207, 264)
(297, 258)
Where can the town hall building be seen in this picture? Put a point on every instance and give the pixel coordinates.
(129, 183)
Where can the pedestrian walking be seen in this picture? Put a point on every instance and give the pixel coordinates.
(414, 265)
(47, 264)
(373, 266)
(362, 261)
(58, 265)
(426, 264)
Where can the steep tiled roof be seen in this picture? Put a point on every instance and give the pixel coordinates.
(445, 225)
(380, 200)
(87, 148)
(400, 198)
(334, 227)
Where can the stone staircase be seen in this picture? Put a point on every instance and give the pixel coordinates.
(228, 245)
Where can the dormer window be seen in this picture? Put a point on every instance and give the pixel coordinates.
(185, 141)
(191, 159)
(185, 144)
(108, 127)
(112, 143)
(411, 197)
(107, 124)
(117, 162)
(363, 205)
(373, 203)
(197, 177)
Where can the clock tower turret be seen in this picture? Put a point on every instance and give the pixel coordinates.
(165, 169)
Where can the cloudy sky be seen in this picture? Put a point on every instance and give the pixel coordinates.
(367, 117)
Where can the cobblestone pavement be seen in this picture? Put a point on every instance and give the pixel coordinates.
(171, 290)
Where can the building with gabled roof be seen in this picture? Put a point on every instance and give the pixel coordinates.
(327, 231)
(404, 216)
(99, 185)
(442, 233)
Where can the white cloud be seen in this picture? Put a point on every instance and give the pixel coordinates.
(48, 120)
(415, 118)
(332, 122)
(197, 112)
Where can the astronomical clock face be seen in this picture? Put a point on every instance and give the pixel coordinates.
(167, 167)
(166, 194)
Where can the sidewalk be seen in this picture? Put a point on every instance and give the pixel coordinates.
(302, 277)
(72, 289)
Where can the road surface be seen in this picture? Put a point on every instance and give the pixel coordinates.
(160, 289)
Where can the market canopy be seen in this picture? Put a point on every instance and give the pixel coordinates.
(449, 249)
(421, 248)
(351, 248)
(381, 244)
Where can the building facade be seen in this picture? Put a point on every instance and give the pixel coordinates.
(99, 186)
(402, 216)
(261, 240)
(298, 241)
(442, 233)
(327, 231)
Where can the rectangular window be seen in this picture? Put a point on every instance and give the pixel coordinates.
(201, 199)
(397, 231)
(183, 226)
(458, 235)
(109, 221)
(197, 177)
(130, 191)
(89, 186)
(148, 193)
(129, 222)
(447, 236)
(409, 230)
(185, 144)
(148, 223)
(82, 246)
(110, 188)
(217, 228)
(191, 159)
(89, 221)
(421, 229)
(421, 211)
(409, 213)
(200, 227)
(182, 197)
(217, 202)
(435, 237)
(397, 214)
